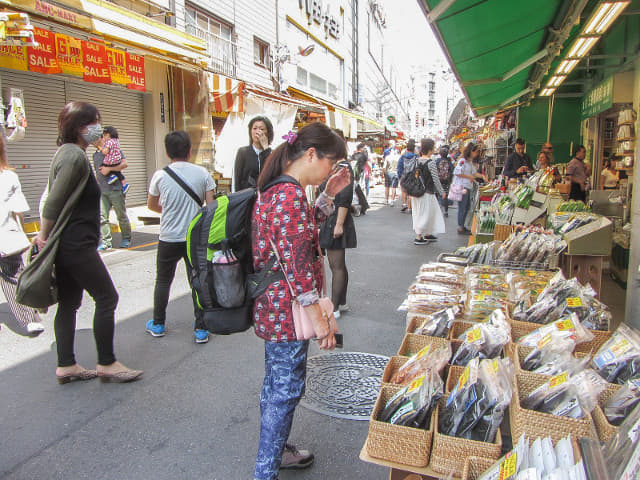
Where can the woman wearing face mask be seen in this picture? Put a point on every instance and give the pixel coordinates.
(251, 159)
(71, 216)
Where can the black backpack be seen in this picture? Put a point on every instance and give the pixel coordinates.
(417, 181)
(219, 252)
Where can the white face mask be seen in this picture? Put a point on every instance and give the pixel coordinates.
(94, 133)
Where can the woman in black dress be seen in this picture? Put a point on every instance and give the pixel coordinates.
(250, 159)
(338, 233)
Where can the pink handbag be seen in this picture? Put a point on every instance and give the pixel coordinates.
(302, 323)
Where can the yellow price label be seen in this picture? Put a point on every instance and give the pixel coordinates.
(531, 273)
(417, 383)
(574, 302)
(486, 293)
(474, 335)
(495, 364)
(558, 380)
(565, 325)
(464, 378)
(620, 347)
(423, 352)
(485, 276)
(544, 340)
(508, 466)
(478, 298)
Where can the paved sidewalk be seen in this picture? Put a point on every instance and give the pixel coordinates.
(195, 414)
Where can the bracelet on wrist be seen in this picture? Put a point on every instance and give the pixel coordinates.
(329, 196)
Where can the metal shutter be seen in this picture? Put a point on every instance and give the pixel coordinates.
(122, 109)
(44, 98)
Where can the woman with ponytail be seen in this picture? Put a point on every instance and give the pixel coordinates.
(283, 216)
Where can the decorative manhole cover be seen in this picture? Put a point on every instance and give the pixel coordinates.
(344, 385)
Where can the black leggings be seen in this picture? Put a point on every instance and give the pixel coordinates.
(79, 270)
(339, 277)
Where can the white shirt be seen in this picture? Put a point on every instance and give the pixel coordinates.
(11, 201)
(178, 208)
(610, 178)
(463, 167)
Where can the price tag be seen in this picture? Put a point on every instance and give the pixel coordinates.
(423, 352)
(508, 466)
(486, 293)
(474, 335)
(558, 380)
(544, 340)
(485, 276)
(574, 302)
(417, 383)
(495, 365)
(565, 325)
(531, 273)
(464, 378)
(478, 298)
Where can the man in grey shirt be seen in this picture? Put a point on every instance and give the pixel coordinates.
(111, 197)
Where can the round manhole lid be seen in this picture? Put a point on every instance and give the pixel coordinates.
(344, 385)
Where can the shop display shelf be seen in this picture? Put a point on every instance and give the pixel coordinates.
(536, 424)
(474, 467)
(396, 443)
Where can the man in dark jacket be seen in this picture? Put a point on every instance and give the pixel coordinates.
(360, 159)
(406, 163)
(518, 163)
(250, 159)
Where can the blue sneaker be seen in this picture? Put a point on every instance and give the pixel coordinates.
(125, 188)
(104, 248)
(155, 330)
(126, 243)
(111, 179)
(202, 336)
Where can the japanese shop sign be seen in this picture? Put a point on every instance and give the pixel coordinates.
(69, 52)
(43, 58)
(598, 99)
(319, 13)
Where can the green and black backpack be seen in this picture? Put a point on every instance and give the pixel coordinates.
(219, 252)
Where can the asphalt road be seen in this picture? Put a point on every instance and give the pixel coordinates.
(195, 414)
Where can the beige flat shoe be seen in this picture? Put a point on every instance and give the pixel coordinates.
(120, 377)
(74, 377)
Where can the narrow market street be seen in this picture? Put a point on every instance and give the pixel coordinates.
(195, 414)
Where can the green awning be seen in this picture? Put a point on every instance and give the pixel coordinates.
(487, 39)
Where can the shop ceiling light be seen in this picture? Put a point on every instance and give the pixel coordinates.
(555, 81)
(566, 67)
(547, 92)
(582, 47)
(604, 16)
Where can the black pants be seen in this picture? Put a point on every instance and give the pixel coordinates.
(169, 254)
(78, 270)
(577, 193)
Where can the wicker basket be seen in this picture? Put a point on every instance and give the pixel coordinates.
(604, 428)
(415, 322)
(450, 453)
(413, 343)
(453, 376)
(458, 328)
(520, 329)
(536, 424)
(395, 443)
(520, 353)
(476, 466)
(502, 232)
(392, 367)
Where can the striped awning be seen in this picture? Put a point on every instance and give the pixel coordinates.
(225, 94)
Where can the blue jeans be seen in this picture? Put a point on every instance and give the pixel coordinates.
(285, 366)
(463, 207)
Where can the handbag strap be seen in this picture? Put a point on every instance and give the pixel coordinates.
(284, 274)
(184, 185)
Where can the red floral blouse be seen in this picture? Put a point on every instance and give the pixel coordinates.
(283, 214)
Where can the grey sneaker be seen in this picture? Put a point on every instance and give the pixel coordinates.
(292, 458)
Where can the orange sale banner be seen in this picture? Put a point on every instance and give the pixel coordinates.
(96, 66)
(13, 57)
(43, 58)
(135, 70)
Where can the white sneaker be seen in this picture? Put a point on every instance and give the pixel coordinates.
(336, 314)
(343, 308)
(35, 328)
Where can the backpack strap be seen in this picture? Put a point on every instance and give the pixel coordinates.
(184, 185)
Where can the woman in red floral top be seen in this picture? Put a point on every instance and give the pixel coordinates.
(283, 215)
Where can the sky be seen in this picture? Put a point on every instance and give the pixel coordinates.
(408, 33)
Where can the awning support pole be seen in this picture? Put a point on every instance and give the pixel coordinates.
(442, 7)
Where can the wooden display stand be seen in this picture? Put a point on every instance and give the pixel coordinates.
(586, 268)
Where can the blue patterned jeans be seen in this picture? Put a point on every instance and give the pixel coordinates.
(285, 366)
